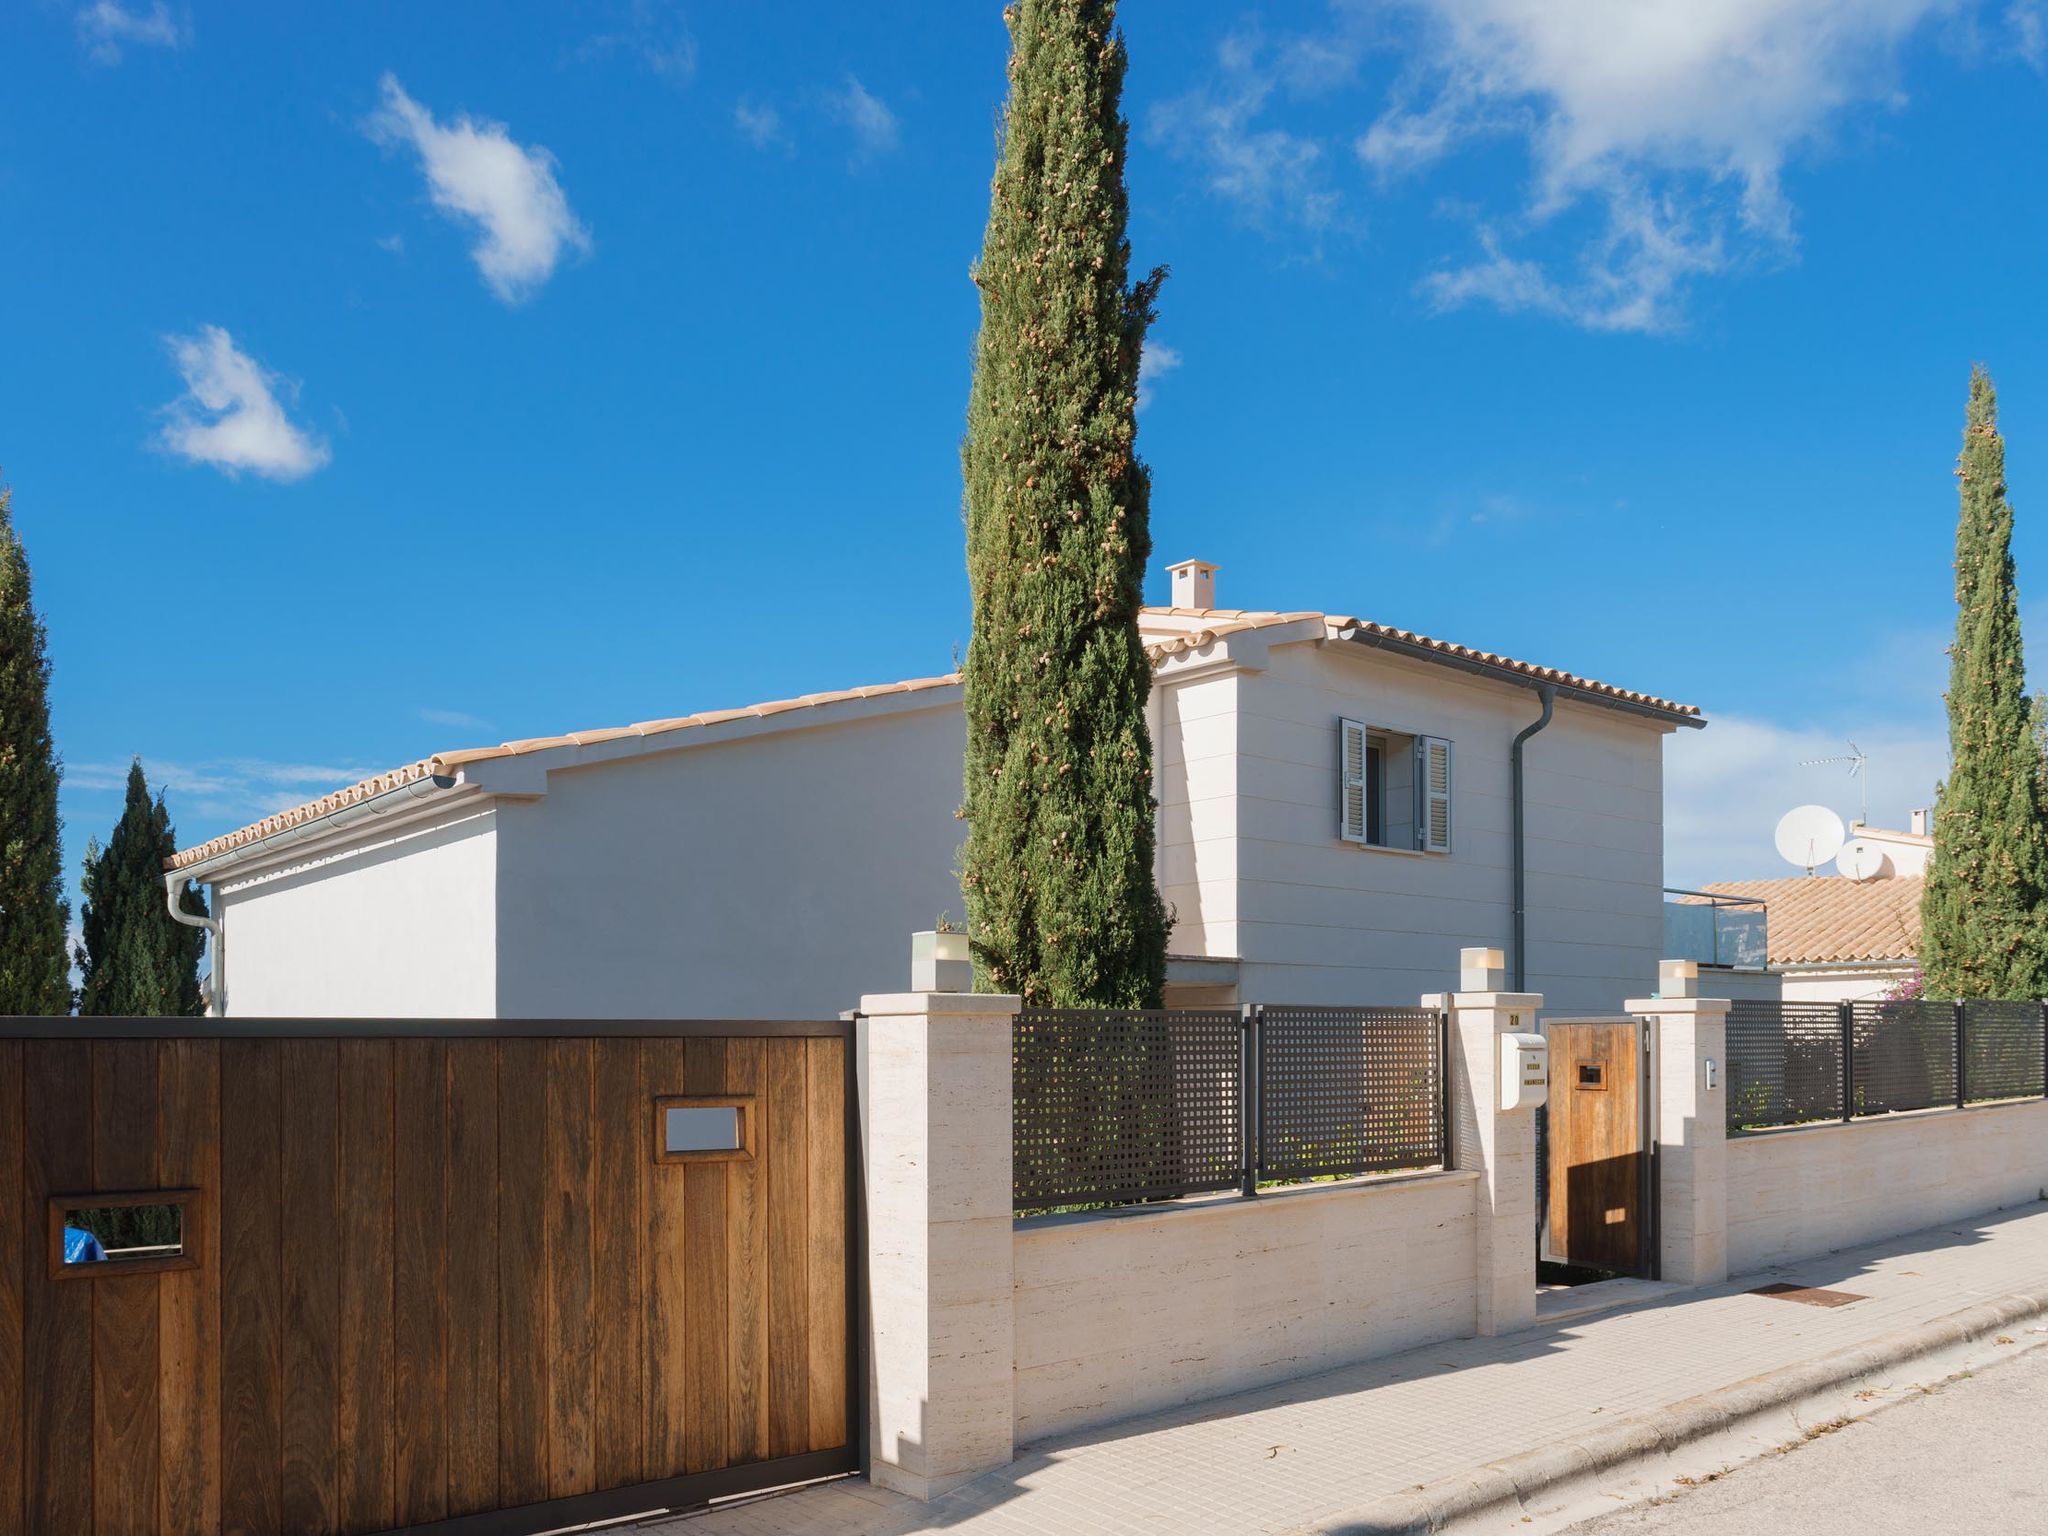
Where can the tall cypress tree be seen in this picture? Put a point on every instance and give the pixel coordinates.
(1984, 912)
(137, 960)
(35, 972)
(1057, 872)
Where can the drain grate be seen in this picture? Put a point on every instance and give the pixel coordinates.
(1812, 1296)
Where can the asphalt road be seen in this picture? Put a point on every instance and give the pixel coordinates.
(1971, 1456)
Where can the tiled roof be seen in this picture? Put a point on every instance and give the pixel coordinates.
(1166, 631)
(443, 763)
(1200, 626)
(1830, 919)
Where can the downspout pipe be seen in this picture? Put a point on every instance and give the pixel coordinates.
(1547, 692)
(175, 884)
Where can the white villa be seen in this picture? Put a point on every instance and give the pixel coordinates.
(1340, 812)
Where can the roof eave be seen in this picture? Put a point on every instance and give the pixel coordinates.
(1395, 645)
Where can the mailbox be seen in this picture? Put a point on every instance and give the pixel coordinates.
(1524, 1071)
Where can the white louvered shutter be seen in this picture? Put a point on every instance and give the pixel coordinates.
(1433, 774)
(1351, 822)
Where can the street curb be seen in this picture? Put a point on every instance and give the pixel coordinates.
(1569, 1471)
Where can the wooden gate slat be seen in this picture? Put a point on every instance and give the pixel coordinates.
(825, 1112)
(14, 1254)
(309, 1089)
(746, 1221)
(366, 1371)
(665, 1196)
(472, 1184)
(423, 1234)
(126, 1443)
(58, 1359)
(620, 1156)
(251, 1227)
(189, 1157)
(786, 1130)
(523, 1362)
(571, 1335)
(704, 1269)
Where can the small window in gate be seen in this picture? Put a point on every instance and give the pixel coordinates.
(139, 1233)
(703, 1129)
(1592, 1074)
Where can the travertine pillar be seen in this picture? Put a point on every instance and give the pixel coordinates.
(935, 1134)
(1692, 1125)
(1500, 1145)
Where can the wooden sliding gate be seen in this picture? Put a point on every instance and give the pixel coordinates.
(474, 1273)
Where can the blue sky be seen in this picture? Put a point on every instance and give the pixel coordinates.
(404, 377)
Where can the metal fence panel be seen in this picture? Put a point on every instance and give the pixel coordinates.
(1784, 1063)
(1349, 1090)
(2002, 1051)
(1903, 1056)
(1117, 1106)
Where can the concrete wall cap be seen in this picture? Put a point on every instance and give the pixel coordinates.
(1704, 1007)
(884, 1005)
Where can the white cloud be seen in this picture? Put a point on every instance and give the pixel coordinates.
(1726, 786)
(1154, 364)
(454, 719)
(507, 191)
(1267, 172)
(230, 415)
(874, 126)
(233, 789)
(2028, 20)
(105, 26)
(654, 33)
(760, 126)
(1671, 121)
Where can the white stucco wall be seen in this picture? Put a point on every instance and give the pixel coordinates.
(1194, 754)
(1120, 1313)
(1320, 920)
(773, 875)
(1810, 1190)
(1837, 984)
(401, 927)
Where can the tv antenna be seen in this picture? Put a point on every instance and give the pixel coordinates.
(1859, 763)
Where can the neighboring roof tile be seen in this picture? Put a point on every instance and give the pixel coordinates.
(1829, 919)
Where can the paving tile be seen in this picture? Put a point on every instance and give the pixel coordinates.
(1369, 1430)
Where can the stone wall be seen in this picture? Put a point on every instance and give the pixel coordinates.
(1122, 1312)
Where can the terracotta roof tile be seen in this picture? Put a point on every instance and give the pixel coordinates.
(1164, 638)
(1830, 919)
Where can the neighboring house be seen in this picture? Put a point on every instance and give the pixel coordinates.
(1832, 939)
(1337, 818)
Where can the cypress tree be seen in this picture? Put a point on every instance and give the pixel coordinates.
(1057, 870)
(1984, 926)
(35, 971)
(137, 961)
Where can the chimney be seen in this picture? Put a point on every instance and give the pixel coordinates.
(1194, 584)
(1918, 822)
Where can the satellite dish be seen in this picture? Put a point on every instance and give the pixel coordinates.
(1860, 859)
(1810, 835)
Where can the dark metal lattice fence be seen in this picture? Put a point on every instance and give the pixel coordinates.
(1349, 1090)
(1903, 1056)
(1784, 1063)
(2003, 1051)
(1115, 1108)
(1787, 1066)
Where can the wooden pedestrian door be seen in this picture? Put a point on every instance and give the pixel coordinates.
(349, 1277)
(1599, 1210)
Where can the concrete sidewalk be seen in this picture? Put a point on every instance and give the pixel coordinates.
(1588, 1408)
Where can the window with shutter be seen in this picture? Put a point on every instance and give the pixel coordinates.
(1433, 778)
(1353, 820)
